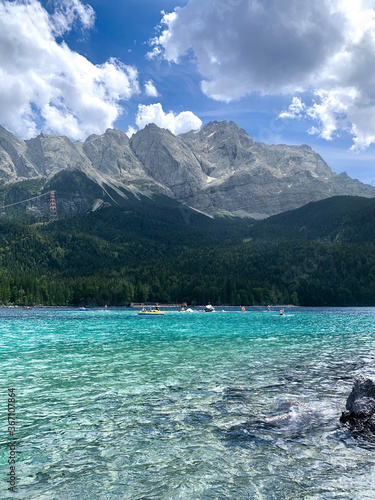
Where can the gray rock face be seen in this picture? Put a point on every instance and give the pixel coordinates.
(221, 148)
(169, 161)
(49, 153)
(111, 154)
(13, 161)
(215, 169)
(359, 415)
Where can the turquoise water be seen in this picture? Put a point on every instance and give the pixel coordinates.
(111, 405)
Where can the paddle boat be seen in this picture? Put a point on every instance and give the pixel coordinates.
(151, 313)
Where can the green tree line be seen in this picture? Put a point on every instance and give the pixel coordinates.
(116, 257)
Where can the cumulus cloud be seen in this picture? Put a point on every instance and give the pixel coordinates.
(268, 46)
(150, 89)
(44, 86)
(326, 48)
(177, 124)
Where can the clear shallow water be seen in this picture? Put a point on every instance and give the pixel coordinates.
(111, 405)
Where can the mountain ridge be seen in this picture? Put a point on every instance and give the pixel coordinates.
(216, 169)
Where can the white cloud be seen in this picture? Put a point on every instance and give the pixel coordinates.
(177, 124)
(331, 111)
(246, 46)
(70, 11)
(326, 48)
(44, 86)
(295, 110)
(150, 89)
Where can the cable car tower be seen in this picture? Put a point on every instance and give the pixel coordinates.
(52, 205)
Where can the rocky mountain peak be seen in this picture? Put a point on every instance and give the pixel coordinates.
(168, 160)
(116, 135)
(111, 155)
(221, 147)
(49, 152)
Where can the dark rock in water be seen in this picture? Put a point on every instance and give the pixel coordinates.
(359, 415)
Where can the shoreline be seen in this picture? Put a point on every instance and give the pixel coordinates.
(178, 306)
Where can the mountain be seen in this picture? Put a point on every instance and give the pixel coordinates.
(217, 170)
(257, 180)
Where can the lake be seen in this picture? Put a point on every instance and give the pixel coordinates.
(224, 405)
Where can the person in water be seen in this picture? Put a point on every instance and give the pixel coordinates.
(157, 308)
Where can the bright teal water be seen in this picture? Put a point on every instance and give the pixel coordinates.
(115, 406)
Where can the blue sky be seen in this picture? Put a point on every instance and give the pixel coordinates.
(287, 71)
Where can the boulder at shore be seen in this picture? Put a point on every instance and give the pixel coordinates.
(359, 415)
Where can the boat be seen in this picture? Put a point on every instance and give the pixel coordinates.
(151, 313)
(188, 310)
(209, 308)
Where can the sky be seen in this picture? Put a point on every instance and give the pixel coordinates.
(287, 71)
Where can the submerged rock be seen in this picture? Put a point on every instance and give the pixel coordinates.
(292, 414)
(359, 415)
(292, 417)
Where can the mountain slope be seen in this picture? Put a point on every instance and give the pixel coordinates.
(341, 218)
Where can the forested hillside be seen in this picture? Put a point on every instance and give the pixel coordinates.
(321, 254)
